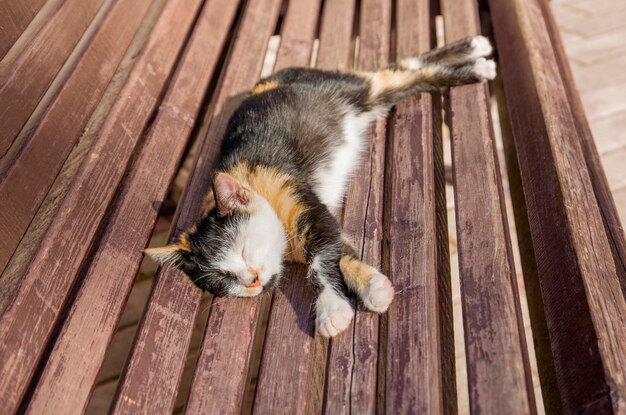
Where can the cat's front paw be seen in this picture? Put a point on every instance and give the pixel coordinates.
(379, 294)
(333, 313)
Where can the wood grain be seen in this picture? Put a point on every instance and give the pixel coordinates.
(290, 332)
(22, 191)
(160, 347)
(353, 358)
(335, 48)
(54, 269)
(35, 233)
(610, 216)
(414, 344)
(14, 17)
(498, 369)
(67, 380)
(585, 307)
(543, 351)
(297, 35)
(25, 82)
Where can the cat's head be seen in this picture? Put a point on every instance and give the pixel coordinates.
(237, 248)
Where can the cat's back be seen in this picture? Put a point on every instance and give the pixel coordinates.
(287, 125)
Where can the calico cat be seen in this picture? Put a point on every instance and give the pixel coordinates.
(285, 161)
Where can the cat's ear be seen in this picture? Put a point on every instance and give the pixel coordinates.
(168, 254)
(229, 194)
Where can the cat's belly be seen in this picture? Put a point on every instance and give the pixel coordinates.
(332, 176)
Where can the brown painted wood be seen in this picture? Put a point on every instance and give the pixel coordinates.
(541, 341)
(614, 228)
(351, 385)
(290, 332)
(69, 374)
(414, 373)
(14, 17)
(335, 48)
(585, 306)
(25, 82)
(160, 351)
(22, 191)
(498, 369)
(54, 269)
(296, 42)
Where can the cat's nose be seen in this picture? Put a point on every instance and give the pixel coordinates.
(255, 283)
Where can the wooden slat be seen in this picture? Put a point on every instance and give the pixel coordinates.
(585, 307)
(26, 81)
(291, 330)
(290, 315)
(14, 17)
(353, 356)
(69, 374)
(160, 347)
(29, 244)
(611, 219)
(21, 191)
(498, 369)
(415, 363)
(54, 270)
(335, 48)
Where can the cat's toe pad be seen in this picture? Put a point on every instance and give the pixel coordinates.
(333, 313)
(485, 68)
(379, 294)
(481, 47)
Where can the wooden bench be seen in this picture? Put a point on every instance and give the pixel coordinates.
(100, 100)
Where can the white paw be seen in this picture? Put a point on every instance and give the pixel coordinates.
(485, 68)
(379, 295)
(481, 47)
(333, 313)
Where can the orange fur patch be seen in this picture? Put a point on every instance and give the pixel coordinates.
(356, 273)
(388, 79)
(276, 188)
(183, 242)
(262, 87)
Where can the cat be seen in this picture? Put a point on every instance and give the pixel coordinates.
(284, 165)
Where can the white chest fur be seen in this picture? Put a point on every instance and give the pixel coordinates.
(332, 177)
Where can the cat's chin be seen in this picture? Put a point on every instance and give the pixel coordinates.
(245, 292)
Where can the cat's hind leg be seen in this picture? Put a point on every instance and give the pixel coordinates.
(373, 288)
(465, 50)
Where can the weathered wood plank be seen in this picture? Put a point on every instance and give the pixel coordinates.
(160, 347)
(21, 191)
(584, 304)
(25, 82)
(14, 17)
(335, 48)
(415, 368)
(297, 35)
(354, 355)
(498, 369)
(610, 216)
(54, 269)
(35, 233)
(69, 374)
(291, 330)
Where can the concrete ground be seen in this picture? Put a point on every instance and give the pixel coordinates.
(594, 34)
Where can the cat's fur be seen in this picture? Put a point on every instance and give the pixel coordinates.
(285, 162)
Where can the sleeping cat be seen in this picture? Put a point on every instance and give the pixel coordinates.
(285, 162)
